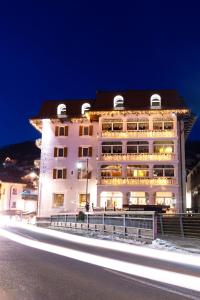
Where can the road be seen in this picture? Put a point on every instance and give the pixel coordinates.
(33, 274)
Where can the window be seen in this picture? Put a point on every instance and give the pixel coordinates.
(61, 110)
(59, 173)
(85, 151)
(134, 171)
(85, 130)
(61, 130)
(84, 171)
(163, 171)
(155, 101)
(140, 198)
(14, 191)
(118, 102)
(60, 152)
(137, 147)
(165, 198)
(133, 125)
(163, 125)
(163, 147)
(14, 204)
(110, 171)
(58, 200)
(111, 147)
(85, 107)
(111, 199)
(83, 199)
(112, 125)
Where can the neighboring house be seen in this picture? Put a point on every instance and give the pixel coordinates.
(193, 189)
(117, 150)
(17, 194)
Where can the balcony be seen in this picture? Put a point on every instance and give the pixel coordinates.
(137, 181)
(139, 134)
(137, 157)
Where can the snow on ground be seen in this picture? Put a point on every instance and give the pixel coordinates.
(172, 244)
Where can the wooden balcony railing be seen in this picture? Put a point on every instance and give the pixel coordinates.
(137, 157)
(137, 181)
(139, 134)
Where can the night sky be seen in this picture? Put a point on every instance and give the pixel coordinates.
(70, 49)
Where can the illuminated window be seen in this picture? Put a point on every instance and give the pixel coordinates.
(83, 199)
(134, 171)
(111, 147)
(61, 110)
(85, 107)
(118, 102)
(155, 101)
(165, 198)
(112, 125)
(137, 147)
(58, 200)
(140, 198)
(110, 171)
(133, 125)
(163, 171)
(59, 173)
(163, 147)
(163, 124)
(111, 200)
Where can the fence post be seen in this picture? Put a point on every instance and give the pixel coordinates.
(161, 225)
(124, 224)
(103, 222)
(87, 221)
(65, 220)
(181, 225)
(154, 216)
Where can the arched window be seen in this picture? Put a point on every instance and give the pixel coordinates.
(155, 101)
(118, 102)
(85, 107)
(61, 110)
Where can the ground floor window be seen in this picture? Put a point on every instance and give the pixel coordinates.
(58, 200)
(111, 199)
(83, 199)
(140, 198)
(165, 198)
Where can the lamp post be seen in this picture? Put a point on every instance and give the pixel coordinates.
(87, 205)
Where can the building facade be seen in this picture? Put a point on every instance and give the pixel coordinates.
(119, 149)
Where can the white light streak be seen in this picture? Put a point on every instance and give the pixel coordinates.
(187, 259)
(167, 277)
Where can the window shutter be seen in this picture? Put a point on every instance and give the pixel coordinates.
(55, 152)
(90, 151)
(65, 152)
(64, 173)
(79, 151)
(54, 173)
(90, 130)
(80, 130)
(66, 130)
(56, 130)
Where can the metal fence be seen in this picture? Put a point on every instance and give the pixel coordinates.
(184, 225)
(141, 225)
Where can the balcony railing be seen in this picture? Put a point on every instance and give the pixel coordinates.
(137, 157)
(137, 181)
(139, 134)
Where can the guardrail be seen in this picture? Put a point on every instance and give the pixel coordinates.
(184, 225)
(140, 225)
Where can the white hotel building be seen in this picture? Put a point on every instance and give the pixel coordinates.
(119, 149)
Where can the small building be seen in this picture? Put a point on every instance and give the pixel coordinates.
(123, 148)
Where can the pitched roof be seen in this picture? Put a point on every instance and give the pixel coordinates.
(133, 100)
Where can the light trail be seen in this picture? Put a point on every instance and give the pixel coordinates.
(167, 277)
(186, 259)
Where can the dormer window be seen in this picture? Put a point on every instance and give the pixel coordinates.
(118, 102)
(61, 111)
(155, 101)
(85, 107)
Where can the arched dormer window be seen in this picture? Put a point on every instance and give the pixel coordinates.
(61, 111)
(85, 107)
(155, 101)
(118, 102)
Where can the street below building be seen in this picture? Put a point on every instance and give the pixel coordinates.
(27, 272)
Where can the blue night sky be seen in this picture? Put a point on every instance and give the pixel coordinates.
(70, 49)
